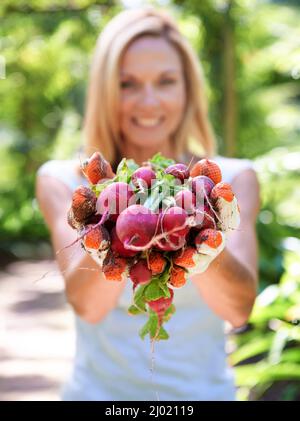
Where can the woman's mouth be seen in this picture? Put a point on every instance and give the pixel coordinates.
(147, 122)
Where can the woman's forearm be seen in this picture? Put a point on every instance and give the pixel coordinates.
(89, 293)
(228, 287)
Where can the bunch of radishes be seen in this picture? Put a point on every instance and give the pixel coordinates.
(155, 224)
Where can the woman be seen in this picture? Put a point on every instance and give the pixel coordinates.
(146, 95)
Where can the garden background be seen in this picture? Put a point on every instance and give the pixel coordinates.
(250, 51)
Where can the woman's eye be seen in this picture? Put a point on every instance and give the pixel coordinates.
(167, 81)
(127, 84)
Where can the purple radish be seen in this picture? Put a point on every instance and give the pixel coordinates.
(118, 247)
(114, 199)
(139, 273)
(136, 226)
(143, 177)
(179, 171)
(172, 218)
(160, 305)
(201, 187)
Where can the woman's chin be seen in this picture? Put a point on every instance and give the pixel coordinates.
(147, 142)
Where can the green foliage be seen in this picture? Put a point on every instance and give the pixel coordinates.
(160, 162)
(46, 46)
(269, 351)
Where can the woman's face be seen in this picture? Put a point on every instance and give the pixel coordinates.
(153, 93)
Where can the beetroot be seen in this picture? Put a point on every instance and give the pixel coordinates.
(136, 226)
(118, 247)
(201, 187)
(161, 305)
(114, 199)
(172, 218)
(139, 273)
(143, 177)
(179, 171)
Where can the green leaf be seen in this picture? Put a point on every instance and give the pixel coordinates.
(134, 310)
(125, 170)
(165, 290)
(162, 334)
(139, 298)
(262, 372)
(164, 277)
(132, 165)
(98, 188)
(279, 341)
(153, 324)
(169, 312)
(159, 161)
(153, 291)
(144, 330)
(291, 355)
(258, 346)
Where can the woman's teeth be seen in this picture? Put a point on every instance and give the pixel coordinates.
(147, 122)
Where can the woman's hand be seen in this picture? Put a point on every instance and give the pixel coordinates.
(91, 296)
(230, 282)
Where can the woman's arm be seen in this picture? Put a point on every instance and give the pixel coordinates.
(89, 293)
(229, 285)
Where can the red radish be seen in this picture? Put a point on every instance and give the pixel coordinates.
(186, 200)
(73, 222)
(160, 305)
(139, 273)
(177, 277)
(114, 268)
(96, 168)
(175, 217)
(97, 238)
(223, 190)
(114, 199)
(118, 247)
(156, 262)
(201, 187)
(83, 203)
(143, 177)
(179, 171)
(208, 168)
(209, 240)
(136, 226)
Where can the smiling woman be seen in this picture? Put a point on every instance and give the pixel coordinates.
(153, 97)
(146, 95)
(153, 87)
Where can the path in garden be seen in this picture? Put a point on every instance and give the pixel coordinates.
(36, 332)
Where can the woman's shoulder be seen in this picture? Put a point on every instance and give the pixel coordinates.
(55, 165)
(232, 167)
(233, 161)
(67, 171)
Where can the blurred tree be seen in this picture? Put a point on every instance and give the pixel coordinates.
(47, 47)
(250, 54)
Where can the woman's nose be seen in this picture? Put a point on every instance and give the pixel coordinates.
(149, 96)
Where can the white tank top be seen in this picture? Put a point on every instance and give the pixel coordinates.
(112, 362)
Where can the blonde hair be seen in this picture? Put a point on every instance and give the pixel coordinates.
(101, 125)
